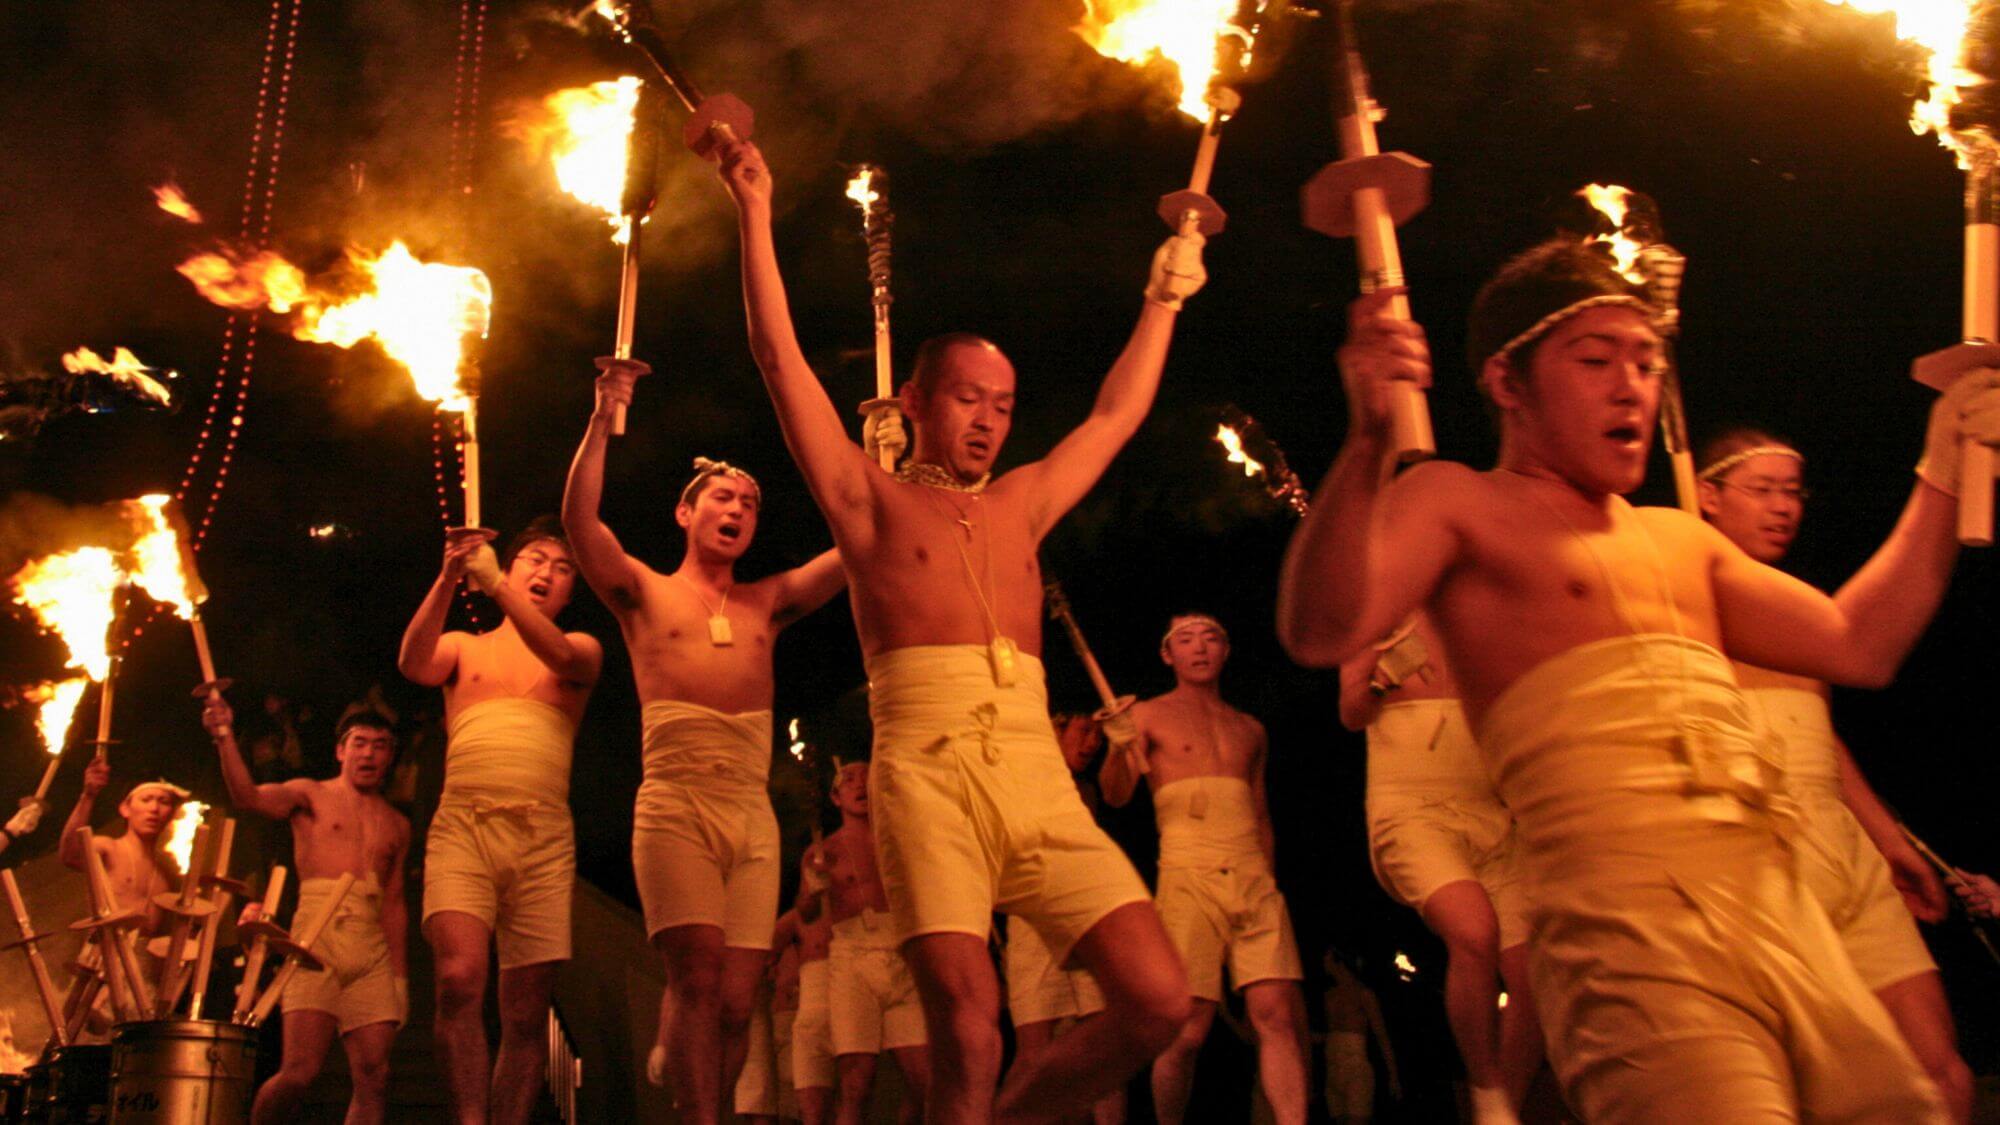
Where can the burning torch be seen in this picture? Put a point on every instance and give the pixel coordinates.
(165, 568)
(712, 119)
(75, 594)
(869, 189)
(641, 192)
(1115, 716)
(1980, 322)
(1281, 483)
(1367, 195)
(1639, 251)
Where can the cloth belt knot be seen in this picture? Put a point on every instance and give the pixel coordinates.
(984, 718)
(1725, 761)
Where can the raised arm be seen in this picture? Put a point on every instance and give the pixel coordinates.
(1913, 875)
(277, 801)
(803, 589)
(428, 656)
(836, 470)
(1072, 468)
(574, 657)
(1862, 634)
(611, 573)
(1367, 554)
(96, 776)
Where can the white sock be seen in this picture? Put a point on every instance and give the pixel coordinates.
(1491, 1106)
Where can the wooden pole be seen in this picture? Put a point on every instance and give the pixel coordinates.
(305, 940)
(121, 940)
(212, 929)
(1981, 322)
(45, 987)
(253, 960)
(182, 928)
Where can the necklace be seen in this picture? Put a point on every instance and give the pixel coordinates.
(1001, 652)
(937, 476)
(719, 633)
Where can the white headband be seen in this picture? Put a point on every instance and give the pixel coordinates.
(1557, 317)
(1189, 621)
(1727, 463)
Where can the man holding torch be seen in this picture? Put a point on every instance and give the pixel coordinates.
(705, 846)
(137, 867)
(1217, 891)
(1681, 970)
(500, 860)
(974, 808)
(340, 826)
(1853, 854)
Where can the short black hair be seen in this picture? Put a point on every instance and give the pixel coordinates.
(538, 529)
(371, 720)
(930, 357)
(1532, 285)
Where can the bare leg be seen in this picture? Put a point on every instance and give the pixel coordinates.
(961, 997)
(1173, 1071)
(1277, 1011)
(690, 1018)
(1462, 915)
(1918, 1006)
(915, 1063)
(520, 1071)
(1146, 1002)
(308, 1036)
(815, 1104)
(1521, 1046)
(741, 971)
(854, 1077)
(368, 1063)
(459, 943)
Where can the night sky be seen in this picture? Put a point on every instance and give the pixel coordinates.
(1822, 237)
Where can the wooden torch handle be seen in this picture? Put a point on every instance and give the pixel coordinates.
(1975, 493)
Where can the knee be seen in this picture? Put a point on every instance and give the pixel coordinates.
(371, 1078)
(733, 1013)
(1274, 1014)
(1953, 1077)
(461, 987)
(1158, 1019)
(697, 981)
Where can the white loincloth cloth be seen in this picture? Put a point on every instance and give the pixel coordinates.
(705, 845)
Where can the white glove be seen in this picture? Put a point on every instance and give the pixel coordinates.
(1177, 271)
(24, 822)
(884, 429)
(1969, 409)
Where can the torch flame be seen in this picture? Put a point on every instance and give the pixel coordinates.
(56, 706)
(1180, 32)
(1939, 28)
(1232, 443)
(174, 202)
(157, 560)
(586, 131)
(71, 595)
(179, 842)
(798, 747)
(123, 366)
(1404, 966)
(418, 312)
(861, 189)
(1612, 201)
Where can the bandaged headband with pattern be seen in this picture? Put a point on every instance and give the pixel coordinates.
(1737, 458)
(705, 468)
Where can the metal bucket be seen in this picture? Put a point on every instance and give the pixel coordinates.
(13, 1098)
(183, 1072)
(79, 1085)
(41, 1084)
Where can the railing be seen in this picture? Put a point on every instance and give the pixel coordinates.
(565, 1068)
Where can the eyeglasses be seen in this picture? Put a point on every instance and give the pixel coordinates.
(1765, 493)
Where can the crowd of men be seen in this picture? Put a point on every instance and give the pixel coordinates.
(1600, 762)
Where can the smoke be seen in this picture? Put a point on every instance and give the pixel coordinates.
(32, 526)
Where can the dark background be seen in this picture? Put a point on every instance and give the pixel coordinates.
(1822, 238)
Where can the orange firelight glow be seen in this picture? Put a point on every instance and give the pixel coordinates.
(175, 202)
(179, 841)
(1180, 32)
(123, 366)
(55, 705)
(1939, 28)
(157, 561)
(71, 594)
(586, 134)
(1612, 201)
(1232, 443)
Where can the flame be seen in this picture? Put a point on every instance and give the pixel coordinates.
(1404, 965)
(1938, 27)
(861, 189)
(1502, 1001)
(418, 312)
(123, 366)
(1180, 32)
(56, 706)
(233, 281)
(71, 595)
(798, 747)
(179, 842)
(174, 202)
(158, 565)
(586, 131)
(1232, 442)
(1611, 201)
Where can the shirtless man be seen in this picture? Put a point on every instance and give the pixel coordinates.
(500, 859)
(705, 845)
(1218, 894)
(1353, 1016)
(975, 810)
(1044, 999)
(1853, 855)
(871, 999)
(341, 826)
(1681, 970)
(137, 868)
(812, 1030)
(1442, 844)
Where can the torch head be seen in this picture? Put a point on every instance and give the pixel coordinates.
(642, 153)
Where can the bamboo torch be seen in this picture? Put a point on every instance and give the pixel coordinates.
(1981, 325)
(641, 192)
(713, 119)
(30, 943)
(1115, 714)
(186, 908)
(300, 950)
(869, 189)
(1366, 196)
(260, 948)
(222, 891)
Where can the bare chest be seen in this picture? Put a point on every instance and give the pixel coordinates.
(1186, 741)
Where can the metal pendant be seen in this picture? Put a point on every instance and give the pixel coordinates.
(719, 633)
(1006, 661)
